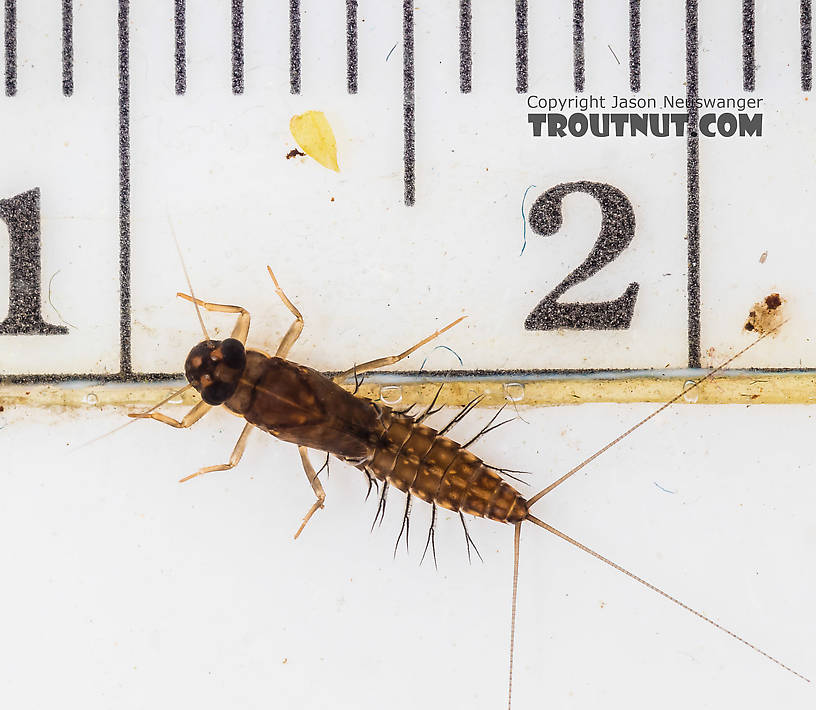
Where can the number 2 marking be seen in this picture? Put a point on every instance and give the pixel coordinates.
(617, 230)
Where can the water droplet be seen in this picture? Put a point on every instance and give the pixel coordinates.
(514, 391)
(391, 394)
(91, 399)
(692, 395)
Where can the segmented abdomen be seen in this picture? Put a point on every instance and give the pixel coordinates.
(418, 461)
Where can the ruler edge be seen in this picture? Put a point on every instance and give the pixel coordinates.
(522, 390)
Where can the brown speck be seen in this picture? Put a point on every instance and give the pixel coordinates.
(766, 315)
(294, 153)
(2, 408)
(332, 199)
(763, 257)
(773, 301)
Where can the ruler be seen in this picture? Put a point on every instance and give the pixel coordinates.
(606, 259)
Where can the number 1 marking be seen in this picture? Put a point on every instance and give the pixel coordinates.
(21, 214)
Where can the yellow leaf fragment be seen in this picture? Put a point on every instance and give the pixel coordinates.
(315, 137)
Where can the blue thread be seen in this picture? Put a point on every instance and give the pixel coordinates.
(445, 347)
(524, 220)
(392, 49)
(665, 490)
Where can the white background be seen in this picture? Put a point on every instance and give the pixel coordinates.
(125, 588)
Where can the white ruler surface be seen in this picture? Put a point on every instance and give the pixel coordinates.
(481, 172)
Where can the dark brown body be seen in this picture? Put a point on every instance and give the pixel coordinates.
(302, 406)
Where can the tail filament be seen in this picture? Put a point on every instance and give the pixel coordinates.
(648, 585)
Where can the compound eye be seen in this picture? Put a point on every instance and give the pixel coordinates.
(216, 393)
(233, 354)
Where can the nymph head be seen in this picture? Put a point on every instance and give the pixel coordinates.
(214, 368)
